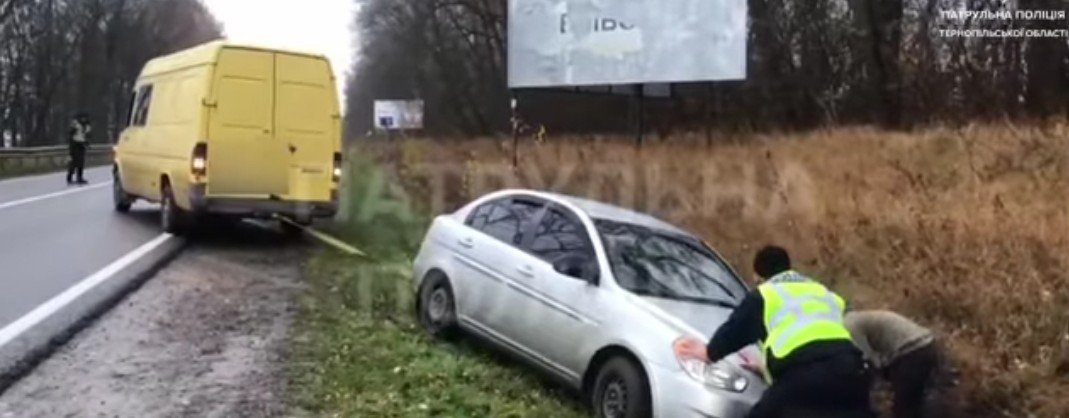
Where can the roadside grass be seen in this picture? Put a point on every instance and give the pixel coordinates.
(357, 350)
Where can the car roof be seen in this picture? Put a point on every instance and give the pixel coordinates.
(599, 210)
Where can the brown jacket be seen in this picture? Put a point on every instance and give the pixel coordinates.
(884, 336)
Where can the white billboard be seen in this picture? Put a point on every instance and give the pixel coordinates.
(592, 42)
(398, 114)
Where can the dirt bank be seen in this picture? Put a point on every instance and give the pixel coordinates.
(205, 337)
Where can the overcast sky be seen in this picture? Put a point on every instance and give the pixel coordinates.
(314, 25)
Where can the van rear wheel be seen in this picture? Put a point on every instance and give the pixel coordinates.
(119, 197)
(172, 217)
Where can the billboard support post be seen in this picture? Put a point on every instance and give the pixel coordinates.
(708, 110)
(515, 121)
(639, 113)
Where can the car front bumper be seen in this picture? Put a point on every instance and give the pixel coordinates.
(261, 208)
(676, 395)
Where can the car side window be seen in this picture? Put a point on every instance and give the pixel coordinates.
(478, 217)
(504, 219)
(558, 235)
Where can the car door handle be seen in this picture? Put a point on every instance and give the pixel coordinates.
(525, 271)
(466, 242)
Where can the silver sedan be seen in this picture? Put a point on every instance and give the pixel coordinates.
(594, 295)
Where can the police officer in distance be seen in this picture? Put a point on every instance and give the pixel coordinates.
(78, 142)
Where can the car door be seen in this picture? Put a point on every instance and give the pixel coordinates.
(488, 254)
(557, 315)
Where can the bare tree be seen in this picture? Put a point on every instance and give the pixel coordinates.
(61, 56)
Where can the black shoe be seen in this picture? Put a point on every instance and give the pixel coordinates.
(82, 182)
(70, 182)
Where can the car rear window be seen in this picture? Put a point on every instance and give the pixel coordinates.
(504, 219)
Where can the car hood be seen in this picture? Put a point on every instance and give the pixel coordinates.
(700, 317)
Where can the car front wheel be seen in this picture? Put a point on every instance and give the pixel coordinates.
(437, 307)
(621, 391)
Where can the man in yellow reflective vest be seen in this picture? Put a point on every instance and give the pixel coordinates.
(812, 365)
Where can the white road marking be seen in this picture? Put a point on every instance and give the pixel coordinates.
(89, 172)
(20, 202)
(42, 312)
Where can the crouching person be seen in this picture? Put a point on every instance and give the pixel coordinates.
(903, 352)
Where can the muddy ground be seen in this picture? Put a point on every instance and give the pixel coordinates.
(205, 337)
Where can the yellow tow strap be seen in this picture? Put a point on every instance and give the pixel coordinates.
(326, 239)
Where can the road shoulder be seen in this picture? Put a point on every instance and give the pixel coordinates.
(205, 337)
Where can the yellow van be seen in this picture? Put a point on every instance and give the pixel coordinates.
(232, 130)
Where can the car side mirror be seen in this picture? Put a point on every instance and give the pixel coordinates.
(578, 267)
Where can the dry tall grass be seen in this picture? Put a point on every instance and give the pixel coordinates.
(963, 229)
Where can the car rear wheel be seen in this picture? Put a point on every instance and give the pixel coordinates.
(119, 197)
(437, 307)
(621, 391)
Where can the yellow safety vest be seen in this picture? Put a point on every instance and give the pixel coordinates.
(799, 311)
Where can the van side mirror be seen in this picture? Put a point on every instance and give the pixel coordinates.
(577, 266)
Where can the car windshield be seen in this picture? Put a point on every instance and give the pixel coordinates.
(655, 263)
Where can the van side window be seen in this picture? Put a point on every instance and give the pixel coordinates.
(131, 109)
(144, 99)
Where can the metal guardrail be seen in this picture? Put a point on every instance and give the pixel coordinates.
(15, 161)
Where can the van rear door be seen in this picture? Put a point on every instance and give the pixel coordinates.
(307, 122)
(245, 157)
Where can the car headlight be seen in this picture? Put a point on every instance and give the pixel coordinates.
(712, 374)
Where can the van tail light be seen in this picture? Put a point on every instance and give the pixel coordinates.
(336, 171)
(199, 164)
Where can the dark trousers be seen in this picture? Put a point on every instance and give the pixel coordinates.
(835, 386)
(77, 163)
(912, 378)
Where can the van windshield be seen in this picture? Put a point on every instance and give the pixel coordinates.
(660, 264)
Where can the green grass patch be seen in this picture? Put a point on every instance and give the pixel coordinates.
(357, 350)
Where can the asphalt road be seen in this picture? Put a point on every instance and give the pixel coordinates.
(53, 236)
